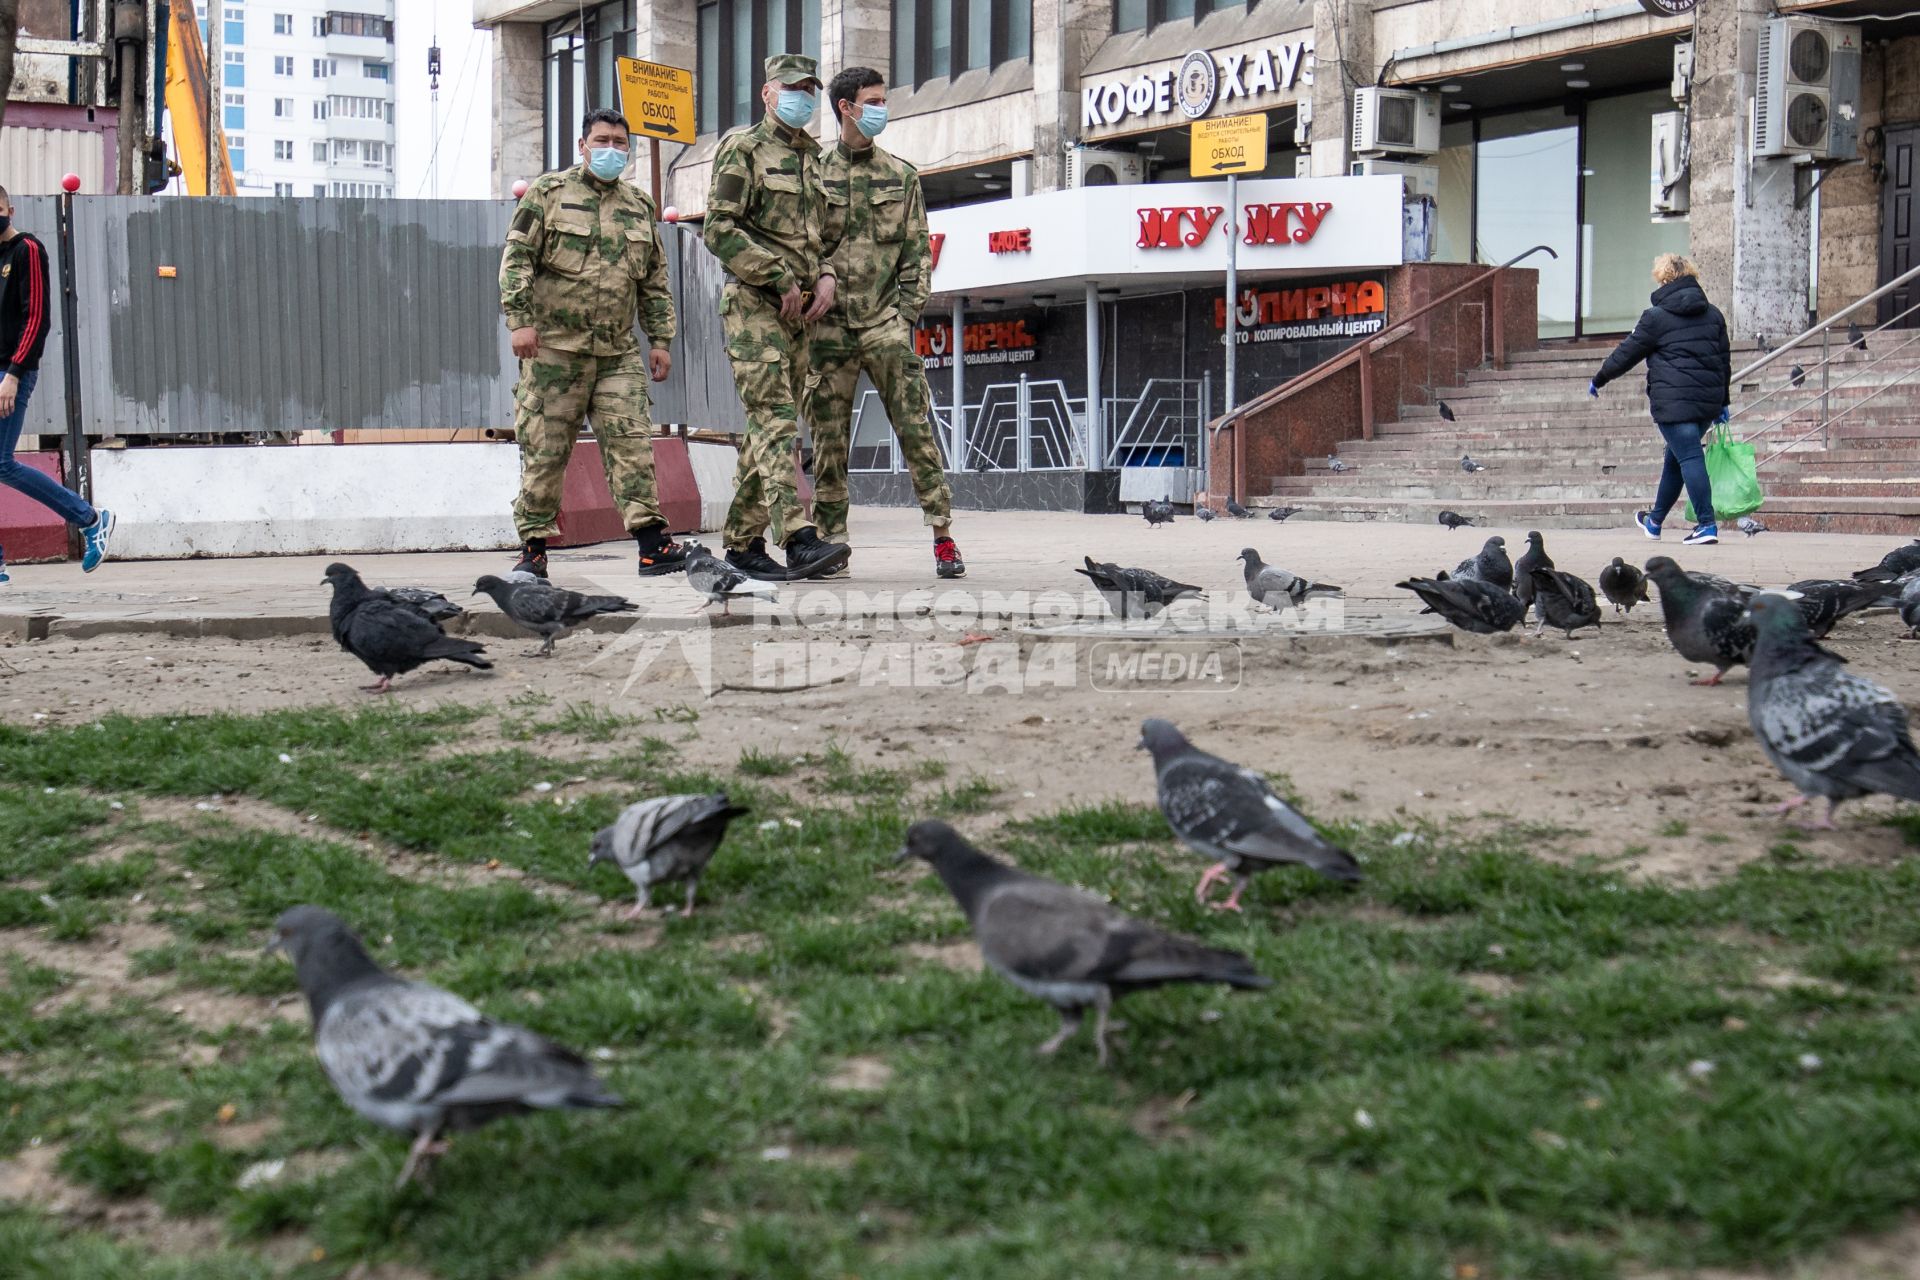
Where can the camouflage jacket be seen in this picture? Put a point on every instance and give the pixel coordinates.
(582, 257)
(763, 209)
(875, 234)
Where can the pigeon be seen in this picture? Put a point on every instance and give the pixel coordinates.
(1797, 376)
(1751, 525)
(430, 605)
(1275, 587)
(1160, 512)
(1468, 603)
(1623, 584)
(1825, 601)
(663, 839)
(1830, 732)
(1446, 411)
(1856, 339)
(1565, 601)
(722, 584)
(1897, 563)
(1705, 616)
(1203, 514)
(1061, 944)
(1764, 343)
(392, 638)
(412, 1057)
(547, 611)
(1335, 465)
(1283, 513)
(1468, 465)
(1237, 511)
(1910, 606)
(1490, 565)
(1534, 557)
(1134, 593)
(1454, 520)
(1230, 813)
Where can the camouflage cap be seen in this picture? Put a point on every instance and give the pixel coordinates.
(792, 68)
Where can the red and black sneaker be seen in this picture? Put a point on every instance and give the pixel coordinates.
(668, 557)
(946, 559)
(533, 558)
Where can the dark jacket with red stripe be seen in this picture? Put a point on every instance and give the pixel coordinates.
(25, 303)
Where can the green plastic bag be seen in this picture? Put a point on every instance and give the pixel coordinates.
(1735, 478)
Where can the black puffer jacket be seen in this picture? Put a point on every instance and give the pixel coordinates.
(1683, 339)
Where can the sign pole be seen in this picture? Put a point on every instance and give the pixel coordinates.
(1233, 284)
(656, 174)
(1230, 145)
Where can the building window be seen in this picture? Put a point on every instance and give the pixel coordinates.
(359, 108)
(320, 152)
(935, 39)
(320, 109)
(319, 29)
(377, 71)
(283, 24)
(283, 188)
(580, 72)
(320, 188)
(283, 149)
(282, 66)
(236, 155)
(283, 108)
(1144, 15)
(323, 68)
(233, 71)
(735, 37)
(359, 24)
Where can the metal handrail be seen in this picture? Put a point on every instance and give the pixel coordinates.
(1827, 324)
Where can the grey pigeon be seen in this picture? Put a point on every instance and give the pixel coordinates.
(1565, 601)
(1203, 514)
(1856, 339)
(1063, 945)
(722, 584)
(1230, 813)
(1160, 512)
(430, 605)
(545, 610)
(1534, 557)
(1750, 525)
(1897, 563)
(1910, 606)
(1237, 511)
(1283, 513)
(1468, 603)
(1335, 465)
(1446, 411)
(1133, 593)
(1705, 616)
(1275, 588)
(1624, 585)
(1490, 565)
(1454, 520)
(415, 1058)
(1825, 601)
(1764, 343)
(665, 839)
(1797, 376)
(1468, 465)
(1832, 733)
(392, 638)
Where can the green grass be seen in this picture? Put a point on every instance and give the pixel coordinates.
(1473, 1058)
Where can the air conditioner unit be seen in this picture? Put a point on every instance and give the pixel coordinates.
(1420, 179)
(1669, 170)
(1682, 70)
(1303, 125)
(1091, 167)
(1303, 165)
(1808, 99)
(1389, 121)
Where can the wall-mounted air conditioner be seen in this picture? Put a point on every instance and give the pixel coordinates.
(1303, 125)
(1682, 70)
(1092, 167)
(1807, 104)
(1395, 122)
(1303, 165)
(1669, 169)
(1420, 179)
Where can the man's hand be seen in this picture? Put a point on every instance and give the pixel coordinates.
(660, 363)
(790, 303)
(526, 342)
(823, 291)
(9, 394)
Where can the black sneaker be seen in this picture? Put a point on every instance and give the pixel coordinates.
(809, 556)
(946, 559)
(668, 557)
(754, 561)
(533, 558)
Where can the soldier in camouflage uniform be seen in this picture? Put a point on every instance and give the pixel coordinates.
(876, 237)
(581, 258)
(763, 223)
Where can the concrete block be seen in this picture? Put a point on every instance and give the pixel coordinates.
(28, 531)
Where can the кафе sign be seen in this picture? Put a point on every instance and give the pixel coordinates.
(1245, 78)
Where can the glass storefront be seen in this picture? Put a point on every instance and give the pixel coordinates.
(1527, 192)
(1619, 237)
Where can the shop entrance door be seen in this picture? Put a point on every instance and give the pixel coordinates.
(1896, 223)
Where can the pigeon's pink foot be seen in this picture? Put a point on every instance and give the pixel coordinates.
(1228, 905)
(635, 912)
(1710, 681)
(1218, 871)
(1786, 807)
(385, 684)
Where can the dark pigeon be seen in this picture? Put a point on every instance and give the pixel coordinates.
(1230, 813)
(1764, 343)
(392, 638)
(430, 605)
(1468, 465)
(413, 1057)
(1237, 511)
(1897, 563)
(1157, 513)
(1283, 513)
(1454, 520)
(1275, 587)
(1832, 733)
(1825, 601)
(1797, 376)
(1446, 411)
(1135, 593)
(1534, 557)
(1490, 565)
(1705, 616)
(1203, 514)
(545, 610)
(1909, 606)
(1468, 603)
(1624, 585)
(1062, 945)
(1856, 339)
(665, 839)
(1565, 601)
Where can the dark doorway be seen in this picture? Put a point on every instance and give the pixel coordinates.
(1897, 224)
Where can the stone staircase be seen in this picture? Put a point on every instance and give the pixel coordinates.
(1557, 459)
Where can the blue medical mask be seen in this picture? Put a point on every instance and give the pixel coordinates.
(872, 119)
(607, 163)
(795, 107)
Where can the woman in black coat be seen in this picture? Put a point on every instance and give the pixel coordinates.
(1683, 339)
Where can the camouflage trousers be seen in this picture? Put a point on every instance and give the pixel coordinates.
(769, 358)
(557, 389)
(885, 353)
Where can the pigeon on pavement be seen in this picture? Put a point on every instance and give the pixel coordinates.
(1825, 601)
(547, 611)
(1203, 514)
(1856, 339)
(1490, 565)
(1832, 733)
(392, 638)
(1534, 557)
(1897, 563)
(1230, 813)
(1283, 513)
(722, 584)
(1797, 376)
(1454, 520)
(1160, 512)
(1750, 525)
(1237, 511)
(1446, 411)
(1468, 465)
(1063, 945)
(1705, 616)
(1335, 465)
(665, 839)
(1468, 603)
(413, 1057)
(1133, 593)
(1565, 601)
(1624, 585)
(1275, 588)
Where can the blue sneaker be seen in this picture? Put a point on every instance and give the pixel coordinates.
(1647, 526)
(97, 535)
(1703, 535)
(3, 566)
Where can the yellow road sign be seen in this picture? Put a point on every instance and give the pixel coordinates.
(1229, 144)
(657, 100)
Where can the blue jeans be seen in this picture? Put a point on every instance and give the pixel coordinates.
(38, 485)
(1686, 462)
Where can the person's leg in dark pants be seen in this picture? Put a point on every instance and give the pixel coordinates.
(1686, 463)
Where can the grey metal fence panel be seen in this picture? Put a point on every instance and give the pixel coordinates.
(700, 393)
(47, 410)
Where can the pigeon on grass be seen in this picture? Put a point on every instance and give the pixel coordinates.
(547, 611)
(1062, 945)
(391, 637)
(665, 839)
(412, 1057)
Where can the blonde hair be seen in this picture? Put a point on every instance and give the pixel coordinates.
(1669, 267)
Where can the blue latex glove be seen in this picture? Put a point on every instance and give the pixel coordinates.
(1726, 415)
(1593, 391)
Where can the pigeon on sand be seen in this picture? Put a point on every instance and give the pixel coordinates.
(1203, 514)
(1275, 588)
(722, 584)
(1062, 945)
(665, 839)
(415, 1058)
(1490, 565)
(1237, 511)
(1823, 602)
(1897, 563)
(1624, 585)
(1135, 593)
(1706, 616)
(392, 638)
(1565, 601)
(1454, 520)
(1160, 512)
(1468, 603)
(1534, 557)
(547, 611)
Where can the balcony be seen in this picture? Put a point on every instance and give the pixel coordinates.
(360, 47)
(360, 130)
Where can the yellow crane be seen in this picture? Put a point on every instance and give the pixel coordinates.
(192, 101)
